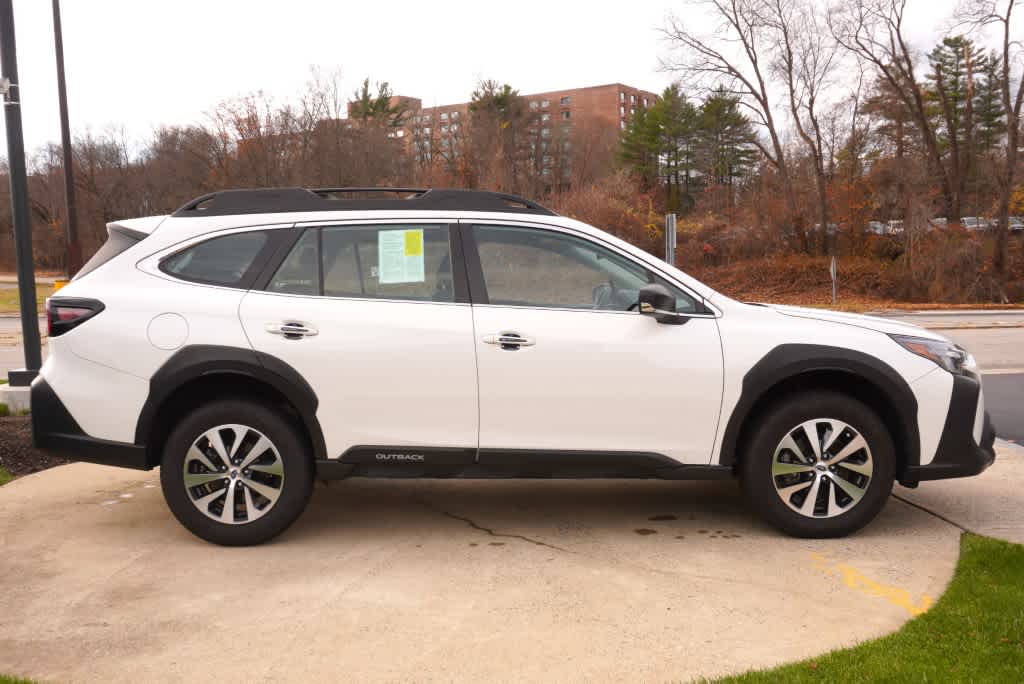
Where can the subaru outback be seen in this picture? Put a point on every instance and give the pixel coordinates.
(256, 340)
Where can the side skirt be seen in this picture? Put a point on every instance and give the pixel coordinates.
(416, 462)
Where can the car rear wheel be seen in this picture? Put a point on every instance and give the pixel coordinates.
(236, 472)
(819, 464)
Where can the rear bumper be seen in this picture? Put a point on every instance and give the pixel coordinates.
(959, 454)
(54, 430)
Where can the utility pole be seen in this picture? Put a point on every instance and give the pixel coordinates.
(73, 260)
(19, 200)
(670, 239)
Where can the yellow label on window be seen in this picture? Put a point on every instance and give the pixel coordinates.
(413, 243)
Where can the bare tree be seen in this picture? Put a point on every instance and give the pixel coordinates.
(806, 61)
(736, 54)
(977, 15)
(873, 30)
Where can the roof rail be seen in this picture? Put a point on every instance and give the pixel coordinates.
(278, 200)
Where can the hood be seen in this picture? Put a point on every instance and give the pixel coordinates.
(888, 326)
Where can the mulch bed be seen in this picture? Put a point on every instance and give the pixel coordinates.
(17, 455)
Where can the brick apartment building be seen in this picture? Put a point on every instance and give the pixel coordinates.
(602, 110)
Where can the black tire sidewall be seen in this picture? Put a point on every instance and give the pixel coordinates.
(279, 429)
(755, 466)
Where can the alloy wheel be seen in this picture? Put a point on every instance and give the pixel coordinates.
(822, 468)
(233, 474)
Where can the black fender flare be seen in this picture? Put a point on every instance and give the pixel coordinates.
(196, 361)
(789, 361)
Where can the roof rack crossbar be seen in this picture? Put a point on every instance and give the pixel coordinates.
(284, 200)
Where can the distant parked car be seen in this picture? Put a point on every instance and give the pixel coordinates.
(1016, 224)
(895, 227)
(975, 223)
(877, 227)
(940, 222)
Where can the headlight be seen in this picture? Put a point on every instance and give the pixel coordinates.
(952, 357)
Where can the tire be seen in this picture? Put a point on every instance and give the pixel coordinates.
(853, 481)
(278, 472)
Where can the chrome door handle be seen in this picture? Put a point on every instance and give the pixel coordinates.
(292, 330)
(510, 341)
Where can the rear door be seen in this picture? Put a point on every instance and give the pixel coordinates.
(567, 364)
(376, 319)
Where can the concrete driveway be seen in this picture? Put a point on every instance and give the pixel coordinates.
(443, 580)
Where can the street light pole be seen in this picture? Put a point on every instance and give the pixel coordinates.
(19, 199)
(73, 260)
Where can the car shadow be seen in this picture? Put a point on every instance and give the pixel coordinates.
(549, 510)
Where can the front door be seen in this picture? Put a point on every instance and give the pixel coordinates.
(565, 361)
(370, 316)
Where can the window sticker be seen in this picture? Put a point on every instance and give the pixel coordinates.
(400, 256)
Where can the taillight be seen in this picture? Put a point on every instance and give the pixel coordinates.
(65, 313)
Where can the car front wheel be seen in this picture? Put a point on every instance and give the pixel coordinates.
(236, 472)
(819, 464)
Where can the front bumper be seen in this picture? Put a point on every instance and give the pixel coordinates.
(54, 430)
(958, 453)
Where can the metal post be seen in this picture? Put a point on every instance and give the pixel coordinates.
(670, 238)
(73, 260)
(834, 273)
(19, 200)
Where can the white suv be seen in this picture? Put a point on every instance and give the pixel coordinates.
(254, 340)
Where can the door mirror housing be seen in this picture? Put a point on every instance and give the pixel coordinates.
(655, 300)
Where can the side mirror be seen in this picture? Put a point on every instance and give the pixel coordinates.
(655, 300)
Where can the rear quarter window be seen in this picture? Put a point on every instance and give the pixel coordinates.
(229, 261)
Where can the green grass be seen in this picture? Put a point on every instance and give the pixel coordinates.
(4, 679)
(5, 410)
(974, 633)
(9, 298)
(5, 477)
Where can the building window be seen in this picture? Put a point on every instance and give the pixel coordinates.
(622, 110)
(545, 104)
(426, 130)
(565, 100)
(545, 132)
(622, 97)
(455, 115)
(565, 114)
(400, 133)
(632, 99)
(444, 116)
(645, 103)
(534, 104)
(454, 127)
(632, 111)
(444, 128)
(622, 125)
(545, 117)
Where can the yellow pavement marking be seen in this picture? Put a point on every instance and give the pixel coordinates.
(858, 581)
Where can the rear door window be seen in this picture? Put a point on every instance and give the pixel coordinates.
(410, 262)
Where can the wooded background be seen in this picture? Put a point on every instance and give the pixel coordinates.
(789, 129)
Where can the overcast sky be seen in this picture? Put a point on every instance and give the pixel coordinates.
(140, 63)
